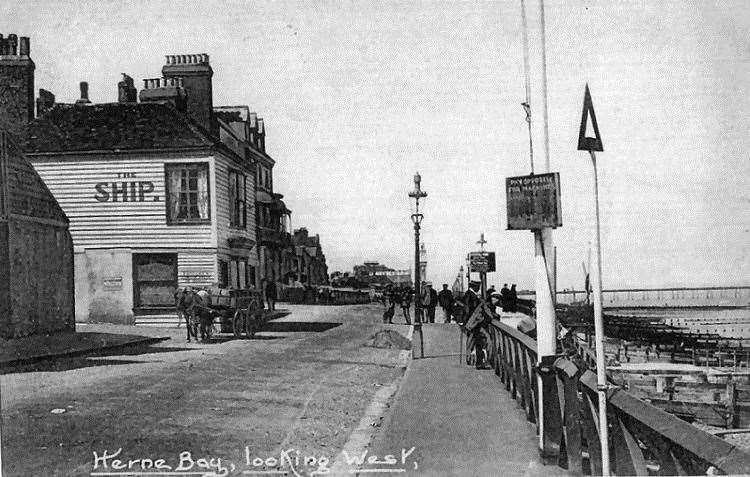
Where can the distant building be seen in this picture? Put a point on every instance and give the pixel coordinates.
(310, 267)
(378, 275)
(36, 248)
(161, 193)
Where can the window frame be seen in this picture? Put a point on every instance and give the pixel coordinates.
(235, 214)
(168, 193)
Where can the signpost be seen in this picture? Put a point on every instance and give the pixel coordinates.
(482, 262)
(592, 144)
(533, 202)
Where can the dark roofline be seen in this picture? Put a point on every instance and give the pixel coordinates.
(215, 144)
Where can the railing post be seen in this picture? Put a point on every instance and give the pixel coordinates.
(550, 413)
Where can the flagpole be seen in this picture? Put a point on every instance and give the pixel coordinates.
(601, 371)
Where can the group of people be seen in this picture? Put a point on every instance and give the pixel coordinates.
(507, 299)
(457, 307)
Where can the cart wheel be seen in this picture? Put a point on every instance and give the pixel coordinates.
(250, 326)
(238, 323)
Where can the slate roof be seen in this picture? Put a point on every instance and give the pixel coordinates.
(115, 126)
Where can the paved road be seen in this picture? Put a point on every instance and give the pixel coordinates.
(302, 384)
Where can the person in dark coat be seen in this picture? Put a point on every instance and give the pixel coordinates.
(505, 297)
(476, 337)
(429, 301)
(445, 300)
(271, 294)
(513, 298)
(405, 295)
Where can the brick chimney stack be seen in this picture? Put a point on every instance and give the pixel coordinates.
(16, 84)
(168, 90)
(126, 92)
(196, 74)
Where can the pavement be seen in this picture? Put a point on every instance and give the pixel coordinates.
(454, 420)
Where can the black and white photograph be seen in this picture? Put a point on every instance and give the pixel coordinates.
(374, 237)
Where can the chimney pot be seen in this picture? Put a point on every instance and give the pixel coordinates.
(84, 93)
(25, 48)
(12, 44)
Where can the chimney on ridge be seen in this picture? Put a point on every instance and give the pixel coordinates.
(156, 90)
(196, 74)
(126, 92)
(17, 83)
(84, 94)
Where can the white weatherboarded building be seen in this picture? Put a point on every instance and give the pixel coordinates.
(156, 201)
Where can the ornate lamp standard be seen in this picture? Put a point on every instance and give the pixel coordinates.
(416, 218)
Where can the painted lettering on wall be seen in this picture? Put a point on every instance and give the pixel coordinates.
(125, 190)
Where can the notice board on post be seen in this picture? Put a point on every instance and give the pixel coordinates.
(482, 262)
(533, 201)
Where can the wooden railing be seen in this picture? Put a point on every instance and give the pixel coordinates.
(644, 440)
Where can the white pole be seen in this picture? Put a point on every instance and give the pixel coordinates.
(601, 370)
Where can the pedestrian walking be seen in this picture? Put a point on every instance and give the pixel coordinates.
(445, 300)
(270, 290)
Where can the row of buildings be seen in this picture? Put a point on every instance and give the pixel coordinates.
(162, 189)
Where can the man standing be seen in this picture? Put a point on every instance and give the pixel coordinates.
(271, 294)
(445, 299)
(429, 301)
(405, 304)
(476, 336)
(505, 297)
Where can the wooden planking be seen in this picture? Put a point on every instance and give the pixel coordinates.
(196, 269)
(103, 224)
(223, 229)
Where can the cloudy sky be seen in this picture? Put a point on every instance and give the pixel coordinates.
(357, 96)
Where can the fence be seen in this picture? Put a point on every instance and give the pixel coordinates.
(644, 440)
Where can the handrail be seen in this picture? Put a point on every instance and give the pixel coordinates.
(643, 438)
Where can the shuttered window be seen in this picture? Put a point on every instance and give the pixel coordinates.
(237, 200)
(188, 198)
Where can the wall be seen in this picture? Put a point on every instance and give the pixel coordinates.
(223, 229)
(100, 223)
(104, 286)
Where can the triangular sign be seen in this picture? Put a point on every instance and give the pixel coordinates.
(586, 143)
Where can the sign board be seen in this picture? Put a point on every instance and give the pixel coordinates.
(482, 262)
(588, 143)
(533, 201)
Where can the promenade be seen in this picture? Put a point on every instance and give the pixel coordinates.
(460, 420)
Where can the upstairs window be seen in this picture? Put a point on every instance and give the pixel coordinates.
(188, 198)
(237, 200)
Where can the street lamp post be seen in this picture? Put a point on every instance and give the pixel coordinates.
(416, 218)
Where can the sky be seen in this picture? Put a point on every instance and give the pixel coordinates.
(359, 95)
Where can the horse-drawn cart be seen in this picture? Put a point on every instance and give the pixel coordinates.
(239, 311)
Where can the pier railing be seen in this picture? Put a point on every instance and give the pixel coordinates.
(644, 440)
(728, 296)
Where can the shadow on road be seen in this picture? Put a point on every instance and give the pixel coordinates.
(298, 326)
(86, 360)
